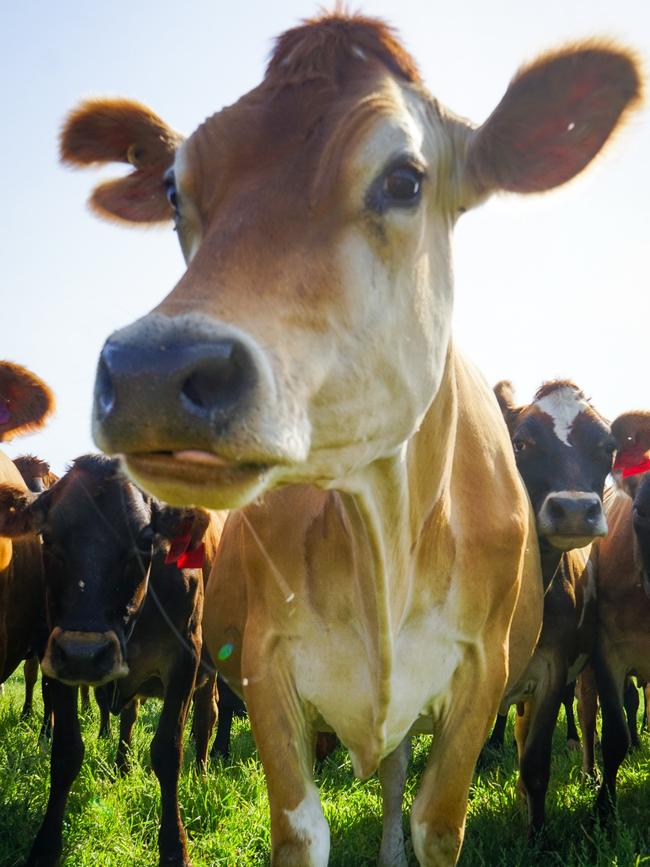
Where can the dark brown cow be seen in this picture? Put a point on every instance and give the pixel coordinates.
(25, 404)
(122, 613)
(308, 344)
(564, 450)
(621, 568)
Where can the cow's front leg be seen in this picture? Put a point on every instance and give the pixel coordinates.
(438, 814)
(65, 762)
(128, 717)
(299, 831)
(587, 712)
(534, 732)
(392, 775)
(610, 679)
(166, 758)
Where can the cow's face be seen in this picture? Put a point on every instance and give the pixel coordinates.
(310, 331)
(99, 535)
(564, 450)
(309, 334)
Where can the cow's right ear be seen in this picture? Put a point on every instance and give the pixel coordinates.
(120, 130)
(18, 517)
(505, 395)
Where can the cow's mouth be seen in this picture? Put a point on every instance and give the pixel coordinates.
(196, 477)
(568, 543)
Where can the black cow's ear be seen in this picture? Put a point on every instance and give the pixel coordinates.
(505, 395)
(170, 522)
(21, 511)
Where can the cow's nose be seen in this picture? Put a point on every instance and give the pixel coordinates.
(572, 514)
(204, 378)
(79, 658)
(168, 385)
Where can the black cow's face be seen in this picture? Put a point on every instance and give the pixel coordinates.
(563, 450)
(97, 551)
(641, 517)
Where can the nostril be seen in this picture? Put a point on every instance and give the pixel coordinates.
(557, 510)
(593, 513)
(219, 381)
(102, 653)
(104, 388)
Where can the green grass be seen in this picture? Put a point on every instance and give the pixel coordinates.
(112, 822)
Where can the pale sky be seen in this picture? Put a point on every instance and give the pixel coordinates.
(546, 286)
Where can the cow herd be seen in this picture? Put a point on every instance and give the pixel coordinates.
(306, 485)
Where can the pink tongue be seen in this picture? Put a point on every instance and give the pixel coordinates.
(5, 415)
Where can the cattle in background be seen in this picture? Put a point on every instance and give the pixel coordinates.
(309, 342)
(621, 568)
(563, 449)
(37, 475)
(124, 589)
(25, 404)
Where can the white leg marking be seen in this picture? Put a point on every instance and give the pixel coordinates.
(310, 826)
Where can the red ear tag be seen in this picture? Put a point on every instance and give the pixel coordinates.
(178, 547)
(192, 559)
(632, 461)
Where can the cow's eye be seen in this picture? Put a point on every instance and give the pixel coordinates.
(170, 190)
(519, 444)
(402, 185)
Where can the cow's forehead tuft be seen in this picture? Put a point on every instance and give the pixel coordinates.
(324, 46)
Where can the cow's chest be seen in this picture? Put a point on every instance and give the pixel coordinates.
(372, 688)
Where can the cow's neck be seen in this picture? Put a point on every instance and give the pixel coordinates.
(550, 559)
(397, 497)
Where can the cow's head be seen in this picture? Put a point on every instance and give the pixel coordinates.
(632, 433)
(564, 450)
(310, 332)
(25, 401)
(641, 518)
(100, 534)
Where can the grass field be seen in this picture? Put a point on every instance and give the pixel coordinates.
(114, 822)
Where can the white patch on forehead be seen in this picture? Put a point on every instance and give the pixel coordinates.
(310, 826)
(563, 406)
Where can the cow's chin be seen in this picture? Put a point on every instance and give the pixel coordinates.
(568, 543)
(198, 478)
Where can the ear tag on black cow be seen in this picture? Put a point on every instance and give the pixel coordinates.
(178, 553)
(632, 461)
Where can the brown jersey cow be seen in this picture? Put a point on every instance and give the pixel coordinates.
(308, 344)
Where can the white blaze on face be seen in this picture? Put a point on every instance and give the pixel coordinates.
(563, 406)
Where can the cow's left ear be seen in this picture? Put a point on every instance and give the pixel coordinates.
(184, 529)
(25, 401)
(556, 115)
